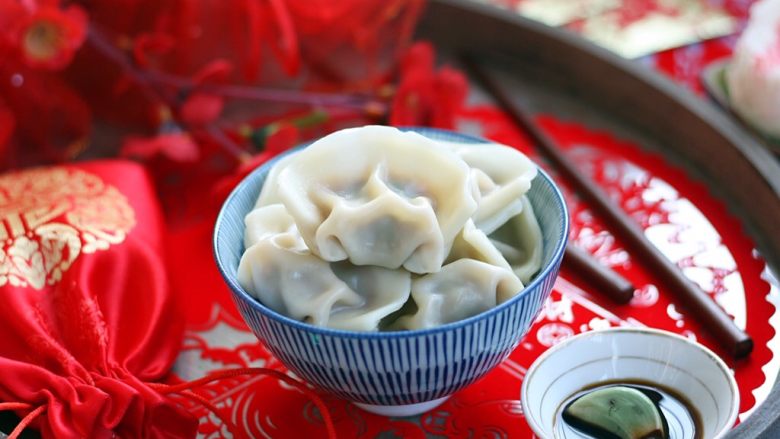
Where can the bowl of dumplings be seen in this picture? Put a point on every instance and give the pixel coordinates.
(392, 267)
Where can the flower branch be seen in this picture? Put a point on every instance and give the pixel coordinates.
(282, 96)
(173, 90)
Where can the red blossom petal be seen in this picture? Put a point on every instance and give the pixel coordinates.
(426, 97)
(451, 89)
(201, 108)
(409, 17)
(419, 58)
(412, 101)
(282, 140)
(285, 138)
(50, 36)
(223, 186)
(178, 147)
(150, 44)
(285, 45)
(409, 107)
(254, 49)
(217, 70)
(11, 14)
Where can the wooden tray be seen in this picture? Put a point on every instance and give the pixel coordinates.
(556, 72)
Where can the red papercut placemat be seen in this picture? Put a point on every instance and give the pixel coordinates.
(679, 215)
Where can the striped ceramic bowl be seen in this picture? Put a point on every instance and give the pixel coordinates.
(394, 373)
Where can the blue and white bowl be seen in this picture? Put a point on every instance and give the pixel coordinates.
(394, 373)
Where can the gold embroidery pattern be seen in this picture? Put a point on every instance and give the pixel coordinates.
(50, 216)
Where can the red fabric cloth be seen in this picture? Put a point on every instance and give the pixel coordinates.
(88, 316)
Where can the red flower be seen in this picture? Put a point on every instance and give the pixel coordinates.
(451, 89)
(419, 58)
(214, 71)
(201, 108)
(424, 96)
(224, 185)
(177, 146)
(276, 138)
(150, 44)
(284, 138)
(49, 37)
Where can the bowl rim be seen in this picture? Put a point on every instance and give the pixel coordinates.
(244, 296)
(733, 412)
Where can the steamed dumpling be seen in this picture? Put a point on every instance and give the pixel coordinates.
(269, 222)
(502, 174)
(461, 289)
(280, 271)
(378, 196)
(476, 278)
(520, 242)
(270, 192)
(472, 243)
(373, 228)
(384, 292)
(294, 282)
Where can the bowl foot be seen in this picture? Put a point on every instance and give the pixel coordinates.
(402, 410)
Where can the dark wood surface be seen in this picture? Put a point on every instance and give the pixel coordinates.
(557, 72)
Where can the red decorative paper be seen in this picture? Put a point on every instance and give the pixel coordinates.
(677, 213)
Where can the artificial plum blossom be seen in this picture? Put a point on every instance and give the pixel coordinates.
(49, 37)
(426, 96)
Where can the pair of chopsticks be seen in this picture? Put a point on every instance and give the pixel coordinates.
(709, 314)
(602, 278)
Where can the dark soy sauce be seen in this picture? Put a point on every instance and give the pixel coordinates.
(680, 419)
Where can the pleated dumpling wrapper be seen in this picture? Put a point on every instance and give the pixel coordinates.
(280, 271)
(373, 228)
(502, 175)
(378, 196)
(476, 278)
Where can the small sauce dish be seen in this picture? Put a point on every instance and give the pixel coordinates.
(630, 355)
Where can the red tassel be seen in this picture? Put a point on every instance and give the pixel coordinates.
(185, 389)
(26, 421)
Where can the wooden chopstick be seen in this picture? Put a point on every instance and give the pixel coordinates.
(604, 279)
(712, 317)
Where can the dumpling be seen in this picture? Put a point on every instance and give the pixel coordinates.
(280, 271)
(270, 192)
(502, 174)
(461, 289)
(476, 278)
(383, 290)
(294, 282)
(472, 243)
(520, 242)
(378, 196)
(270, 221)
(373, 228)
